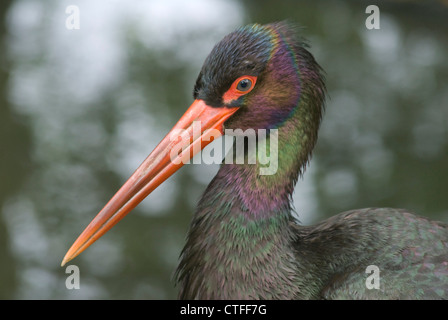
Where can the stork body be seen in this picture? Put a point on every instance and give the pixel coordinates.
(244, 242)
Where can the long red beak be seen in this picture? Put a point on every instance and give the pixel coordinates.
(166, 158)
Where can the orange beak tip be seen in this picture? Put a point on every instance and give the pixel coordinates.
(65, 260)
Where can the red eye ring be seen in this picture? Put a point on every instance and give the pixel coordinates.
(241, 86)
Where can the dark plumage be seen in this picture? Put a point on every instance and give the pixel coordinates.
(244, 242)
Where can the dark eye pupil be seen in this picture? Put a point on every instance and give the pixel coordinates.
(244, 85)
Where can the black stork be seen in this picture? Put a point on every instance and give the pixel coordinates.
(244, 242)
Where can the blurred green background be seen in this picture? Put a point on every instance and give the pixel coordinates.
(81, 109)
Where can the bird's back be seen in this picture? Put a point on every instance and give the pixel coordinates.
(377, 254)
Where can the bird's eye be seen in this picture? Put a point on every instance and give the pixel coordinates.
(241, 86)
(244, 85)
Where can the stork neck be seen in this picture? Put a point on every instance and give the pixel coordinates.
(242, 222)
(263, 187)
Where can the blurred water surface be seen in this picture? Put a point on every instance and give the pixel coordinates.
(81, 109)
